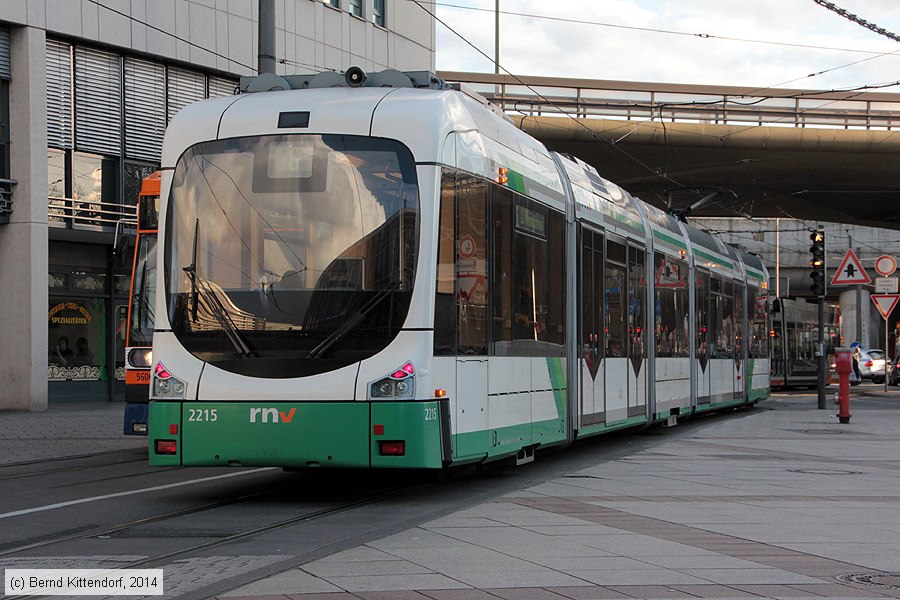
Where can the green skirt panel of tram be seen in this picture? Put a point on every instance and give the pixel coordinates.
(298, 434)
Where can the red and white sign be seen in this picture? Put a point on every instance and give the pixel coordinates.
(885, 303)
(885, 265)
(850, 272)
(467, 246)
(669, 275)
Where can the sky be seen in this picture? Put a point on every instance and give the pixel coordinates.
(537, 46)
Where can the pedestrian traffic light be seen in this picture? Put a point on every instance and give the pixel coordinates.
(817, 262)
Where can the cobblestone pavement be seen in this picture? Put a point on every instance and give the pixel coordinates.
(784, 503)
(779, 502)
(64, 431)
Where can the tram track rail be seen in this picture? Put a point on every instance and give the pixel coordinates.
(161, 559)
(66, 469)
(96, 532)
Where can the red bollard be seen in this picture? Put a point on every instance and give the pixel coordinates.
(843, 364)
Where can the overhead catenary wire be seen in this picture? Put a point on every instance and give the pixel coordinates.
(659, 108)
(648, 168)
(857, 19)
(704, 36)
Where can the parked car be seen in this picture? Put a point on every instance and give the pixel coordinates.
(894, 372)
(872, 364)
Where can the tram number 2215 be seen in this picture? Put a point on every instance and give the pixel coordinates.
(431, 413)
(203, 414)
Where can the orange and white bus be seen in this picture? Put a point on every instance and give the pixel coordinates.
(139, 334)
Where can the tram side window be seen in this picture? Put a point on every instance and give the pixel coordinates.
(556, 303)
(636, 287)
(616, 286)
(445, 296)
(702, 291)
(759, 330)
(530, 289)
(719, 301)
(738, 312)
(501, 270)
(592, 337)
(726, 324)
(471, 265)
(527, 277)
(671, 306)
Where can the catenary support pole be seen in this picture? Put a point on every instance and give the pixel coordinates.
(820, 351)
(266, 57)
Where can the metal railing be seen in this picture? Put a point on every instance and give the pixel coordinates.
(69, 212)
(6, 199)
(724, 105)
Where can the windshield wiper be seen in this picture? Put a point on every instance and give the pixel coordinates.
(141, 300)
(351, 323)
(214, 303)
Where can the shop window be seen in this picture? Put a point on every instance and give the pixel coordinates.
(58, 282)
(92, 283)
(76, 339)
(121, 329)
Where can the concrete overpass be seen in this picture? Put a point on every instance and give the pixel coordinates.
(806, 154)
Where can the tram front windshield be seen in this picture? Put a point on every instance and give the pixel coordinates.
(290, 255)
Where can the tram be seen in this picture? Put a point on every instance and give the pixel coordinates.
(387, 273)
(795, 333)
(141, 307)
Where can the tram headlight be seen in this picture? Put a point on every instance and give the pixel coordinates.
(166, 385)
(401, 384)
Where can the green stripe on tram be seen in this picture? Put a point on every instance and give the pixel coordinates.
(669, 239)
(718, 260)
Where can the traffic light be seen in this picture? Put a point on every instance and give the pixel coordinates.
(817, 262)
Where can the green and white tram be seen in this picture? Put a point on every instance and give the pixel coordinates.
(398, 277)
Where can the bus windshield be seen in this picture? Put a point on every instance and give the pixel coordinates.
(289, 255)
(143, 291)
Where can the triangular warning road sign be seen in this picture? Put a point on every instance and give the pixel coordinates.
(885, 303)
(850, 272)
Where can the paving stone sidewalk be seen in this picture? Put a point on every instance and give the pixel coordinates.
(781, 502)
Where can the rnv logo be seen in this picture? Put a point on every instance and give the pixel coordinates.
(271, 415)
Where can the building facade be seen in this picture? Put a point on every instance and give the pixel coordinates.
(86, 90)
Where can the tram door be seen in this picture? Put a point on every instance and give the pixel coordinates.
(471, 406)
(740, 366)
(616, 309)
(591, 329)
(471, 291)
(701, 291)
(636, 329)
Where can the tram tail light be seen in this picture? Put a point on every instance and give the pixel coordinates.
(166, 385)
(392, 448)
(166, 447)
